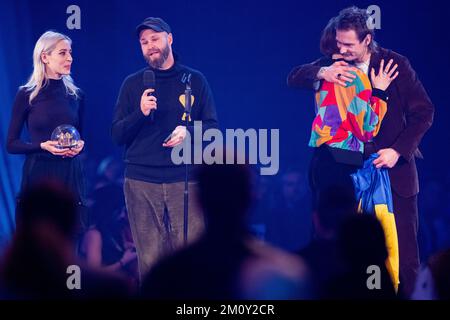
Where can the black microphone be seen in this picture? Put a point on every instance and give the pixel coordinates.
(149, 83)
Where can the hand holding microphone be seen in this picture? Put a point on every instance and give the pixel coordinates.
(148, 102)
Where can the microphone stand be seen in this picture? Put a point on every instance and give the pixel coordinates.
(187, 110)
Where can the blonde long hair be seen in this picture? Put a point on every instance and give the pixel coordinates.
(39, 78)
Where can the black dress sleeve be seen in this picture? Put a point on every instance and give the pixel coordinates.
(18, 118)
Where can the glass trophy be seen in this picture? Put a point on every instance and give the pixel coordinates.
(67, 136)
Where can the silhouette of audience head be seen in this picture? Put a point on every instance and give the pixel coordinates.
(109, 171)
(293, 186)
(34, 264)
(440, 265)
(49, 202)
(362, 247)
(108, 208)
(225, 195)
(226, 263)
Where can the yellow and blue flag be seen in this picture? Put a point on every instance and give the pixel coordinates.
(373, 191)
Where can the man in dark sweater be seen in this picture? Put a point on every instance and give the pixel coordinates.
(143, 119)
(409, 115)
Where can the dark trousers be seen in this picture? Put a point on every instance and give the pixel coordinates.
(326, 172)
(406, 219)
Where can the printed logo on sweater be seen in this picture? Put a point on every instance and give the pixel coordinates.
(183, 103)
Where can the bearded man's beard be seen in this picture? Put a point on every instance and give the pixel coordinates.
(159, 62)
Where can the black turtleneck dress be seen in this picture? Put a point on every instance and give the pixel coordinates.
(52, 107)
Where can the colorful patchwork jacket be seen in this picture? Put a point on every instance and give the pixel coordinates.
(346, 117)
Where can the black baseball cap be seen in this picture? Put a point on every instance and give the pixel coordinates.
(156, 24)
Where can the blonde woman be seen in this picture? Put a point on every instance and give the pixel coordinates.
(48, 100)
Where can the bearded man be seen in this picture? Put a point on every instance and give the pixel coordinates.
(149, 120)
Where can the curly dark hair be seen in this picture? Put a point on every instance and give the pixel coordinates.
(354, 18)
